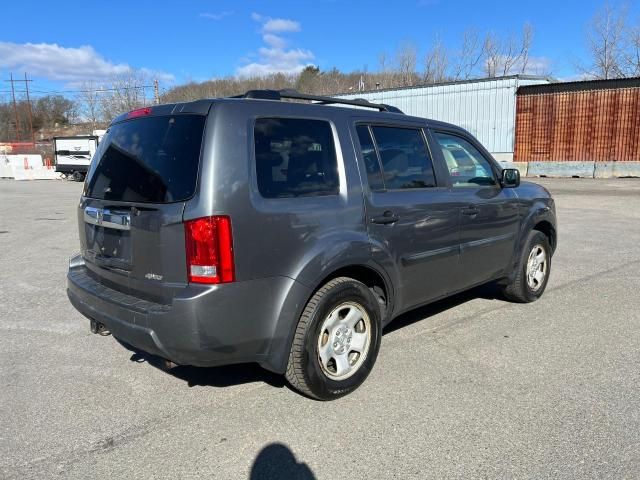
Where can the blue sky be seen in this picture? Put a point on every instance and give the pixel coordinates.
(61, 44)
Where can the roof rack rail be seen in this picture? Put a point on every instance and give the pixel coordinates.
(295, 95)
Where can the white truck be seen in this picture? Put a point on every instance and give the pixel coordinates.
(73, 155)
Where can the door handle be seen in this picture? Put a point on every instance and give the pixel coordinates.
(471, 211)
(387, 218)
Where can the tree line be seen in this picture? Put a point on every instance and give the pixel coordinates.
(612, 41)
(93, 104)
(488, 55)
(45, 112)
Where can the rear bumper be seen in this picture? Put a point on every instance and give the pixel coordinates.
(204, 326)
(67, 168)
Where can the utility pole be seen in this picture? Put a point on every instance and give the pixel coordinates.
(26, 85)
(156, 92)
(15, 107)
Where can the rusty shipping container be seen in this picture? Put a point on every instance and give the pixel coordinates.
(579, 121)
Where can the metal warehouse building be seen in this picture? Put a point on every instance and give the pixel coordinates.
(486, 107)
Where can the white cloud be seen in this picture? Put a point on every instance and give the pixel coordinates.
(275, 57)
(280, 25)
(67, 64)
(215, 16)
(276, 25)
(274, 41)
(277, 60)
(576, 77)
(535, 66)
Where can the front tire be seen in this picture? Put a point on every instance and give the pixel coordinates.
(533, 270)
(336, 341)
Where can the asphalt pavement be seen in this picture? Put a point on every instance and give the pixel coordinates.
(471, 387)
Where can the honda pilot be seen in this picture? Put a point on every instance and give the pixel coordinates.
(290, 233)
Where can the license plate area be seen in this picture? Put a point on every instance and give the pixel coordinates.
(108, 238)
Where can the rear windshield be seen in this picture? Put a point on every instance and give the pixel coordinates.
(148, 160)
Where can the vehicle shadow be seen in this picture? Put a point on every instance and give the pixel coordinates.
(488, 291)
(224, 376)
(229, 375)
(276, 461)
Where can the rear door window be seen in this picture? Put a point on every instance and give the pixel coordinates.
(148, 160)
(404, 157)
(295, 157)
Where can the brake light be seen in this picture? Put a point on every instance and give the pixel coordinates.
(140, 112)
(209, 245)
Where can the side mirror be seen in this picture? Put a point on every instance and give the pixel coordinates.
(510, 178)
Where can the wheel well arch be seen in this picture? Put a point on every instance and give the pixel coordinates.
(372, 279)
(548, 229)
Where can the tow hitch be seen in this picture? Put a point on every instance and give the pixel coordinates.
(99, 328)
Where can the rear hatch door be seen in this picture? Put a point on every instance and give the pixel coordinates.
(130, 216)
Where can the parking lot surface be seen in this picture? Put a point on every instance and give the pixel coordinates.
(471, 387)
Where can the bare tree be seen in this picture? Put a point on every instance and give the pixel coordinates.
(126, 92)
(469, 55)
(605, 41)
(333, 82)
(89, 102)
(386, 75)
(527, 40)
(406, 59)
(509, 55)
(492, 54)
(506, 56)
(632, 52)
(436, 63)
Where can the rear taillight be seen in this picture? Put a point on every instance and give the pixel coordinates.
(209, 244)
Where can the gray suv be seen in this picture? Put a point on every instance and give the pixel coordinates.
(290, 233)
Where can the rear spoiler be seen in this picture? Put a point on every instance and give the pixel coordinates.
(199, 107)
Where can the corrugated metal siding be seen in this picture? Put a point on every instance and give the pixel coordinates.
(596, 125)
(486, 108)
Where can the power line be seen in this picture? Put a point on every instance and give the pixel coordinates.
(96, 90)
(141, 95)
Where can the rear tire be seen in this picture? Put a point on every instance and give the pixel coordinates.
(78, 176)
(336, 341)
(532, 274)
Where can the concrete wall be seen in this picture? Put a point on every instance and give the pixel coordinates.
(576, 169)
(26, 167)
